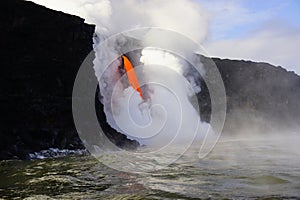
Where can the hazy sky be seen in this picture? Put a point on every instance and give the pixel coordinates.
(258, 30)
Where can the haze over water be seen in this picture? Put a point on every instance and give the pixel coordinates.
(237, 168)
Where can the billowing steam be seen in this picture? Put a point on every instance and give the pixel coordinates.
(113, 16)
(168, 110)
(167, 114)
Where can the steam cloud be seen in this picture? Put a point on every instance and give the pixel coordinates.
(170, 111)
(169, 115)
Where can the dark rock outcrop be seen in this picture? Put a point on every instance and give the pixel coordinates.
(41, 51)
(260, 97)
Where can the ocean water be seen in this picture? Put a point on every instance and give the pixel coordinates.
(256, 168)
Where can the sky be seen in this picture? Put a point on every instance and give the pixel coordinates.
(257, 30)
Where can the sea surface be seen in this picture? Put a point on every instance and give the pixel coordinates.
(256, 168)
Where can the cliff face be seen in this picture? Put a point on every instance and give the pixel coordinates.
(260, 97)
(41, 51)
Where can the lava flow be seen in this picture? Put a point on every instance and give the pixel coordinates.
(132, 79)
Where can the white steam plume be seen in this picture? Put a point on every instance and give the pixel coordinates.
(115, 16)
(170, 112)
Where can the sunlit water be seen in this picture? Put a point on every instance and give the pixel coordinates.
(252, 168)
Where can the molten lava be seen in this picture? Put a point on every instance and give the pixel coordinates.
(132, 79)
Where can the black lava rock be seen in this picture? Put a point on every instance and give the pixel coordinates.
(41, 51)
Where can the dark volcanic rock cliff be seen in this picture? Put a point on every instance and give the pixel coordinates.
(41, 51)
(260, 97)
